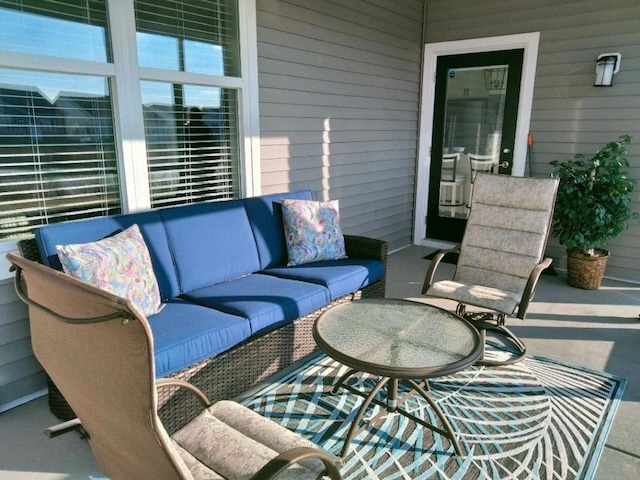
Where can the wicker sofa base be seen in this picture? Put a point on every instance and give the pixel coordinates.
(227, 375)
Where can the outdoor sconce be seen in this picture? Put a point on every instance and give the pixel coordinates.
(494, 78)
(607, 65)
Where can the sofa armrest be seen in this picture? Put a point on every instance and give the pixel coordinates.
(365, 247)
(29, 249)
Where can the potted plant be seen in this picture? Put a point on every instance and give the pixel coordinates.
(592, 206)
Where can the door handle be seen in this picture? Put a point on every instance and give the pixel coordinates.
(504, 164)
(506, 150)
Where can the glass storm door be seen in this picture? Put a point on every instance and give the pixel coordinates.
(474, 127)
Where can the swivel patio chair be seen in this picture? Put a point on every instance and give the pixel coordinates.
(98, 349)
(501, 255)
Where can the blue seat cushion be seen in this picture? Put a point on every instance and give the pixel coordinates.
(267, 301)
(341, 276)
(265, 216)
(185, 334)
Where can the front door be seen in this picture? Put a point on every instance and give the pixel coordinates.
(474, 128)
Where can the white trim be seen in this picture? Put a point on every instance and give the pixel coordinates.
(27, 61)
(175, 76)
(128, 115)
(528, 41)
(248, 101)
(22, 400)
(6, 247)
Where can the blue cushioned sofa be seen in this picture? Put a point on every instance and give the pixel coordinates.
(234, 313)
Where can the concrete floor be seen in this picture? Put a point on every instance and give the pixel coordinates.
(598, 329)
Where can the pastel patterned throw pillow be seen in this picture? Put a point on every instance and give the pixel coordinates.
(119, 264)
(312, 231)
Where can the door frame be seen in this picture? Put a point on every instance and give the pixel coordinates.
(527, 41)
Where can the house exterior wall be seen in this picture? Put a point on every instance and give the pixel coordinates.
(20, 373)
(339, 90)
(339, 87)
(569, 115)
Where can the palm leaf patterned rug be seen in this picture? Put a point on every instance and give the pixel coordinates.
(536, 419)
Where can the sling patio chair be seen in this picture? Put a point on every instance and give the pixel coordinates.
(501, 255)
(98, 349)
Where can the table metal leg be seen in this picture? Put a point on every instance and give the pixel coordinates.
(448, 430)
(391, 405)
(343, 379)
(392, 395)
(354, 430)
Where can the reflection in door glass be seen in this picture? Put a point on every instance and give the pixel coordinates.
(474, 113)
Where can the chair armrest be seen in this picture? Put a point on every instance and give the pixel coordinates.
(428, 278)
(365, 247)
(530, 288)
(283, 461)
(173, 382)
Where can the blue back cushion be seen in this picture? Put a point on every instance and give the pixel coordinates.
(211, 243)
(90, 230)
(265, 216)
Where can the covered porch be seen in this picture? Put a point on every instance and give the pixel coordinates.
(595, 329)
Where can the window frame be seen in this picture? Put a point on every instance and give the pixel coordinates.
(125, 77)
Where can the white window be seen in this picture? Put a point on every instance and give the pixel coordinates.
(121, 105)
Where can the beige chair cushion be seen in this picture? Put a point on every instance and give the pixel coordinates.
(506, 232)
(504, 240)
(487, 297)
(233, 442)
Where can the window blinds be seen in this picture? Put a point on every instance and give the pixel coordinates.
(190, 130)
(195, 36)
(57, 150)
(57, 153)
(191, 143)
(59, 28)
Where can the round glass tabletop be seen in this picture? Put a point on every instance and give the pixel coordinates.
(397, 338)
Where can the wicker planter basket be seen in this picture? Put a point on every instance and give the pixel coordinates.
(586, 272)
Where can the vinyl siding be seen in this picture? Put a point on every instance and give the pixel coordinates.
(339, 90)
(20, 373)
(569, 115)
(339, 86)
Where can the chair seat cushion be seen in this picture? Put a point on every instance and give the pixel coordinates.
(339, 276)
(478, 295)
(236, 442)
(267, 301)
(185, 334)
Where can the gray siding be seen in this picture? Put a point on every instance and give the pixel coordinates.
(339, 96)
(569, 115)
(20, 373)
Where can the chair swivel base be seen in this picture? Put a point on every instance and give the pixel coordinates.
(485, 321)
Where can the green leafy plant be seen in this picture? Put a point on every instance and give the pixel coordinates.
(594, 196)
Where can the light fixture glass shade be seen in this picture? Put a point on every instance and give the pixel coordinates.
(607, 65)
(494, 78)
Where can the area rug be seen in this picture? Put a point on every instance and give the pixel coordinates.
(536, 419)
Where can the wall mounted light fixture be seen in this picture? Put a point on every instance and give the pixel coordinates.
(494, 78)
(607, 65)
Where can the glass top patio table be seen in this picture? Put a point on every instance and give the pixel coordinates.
(397, 340)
